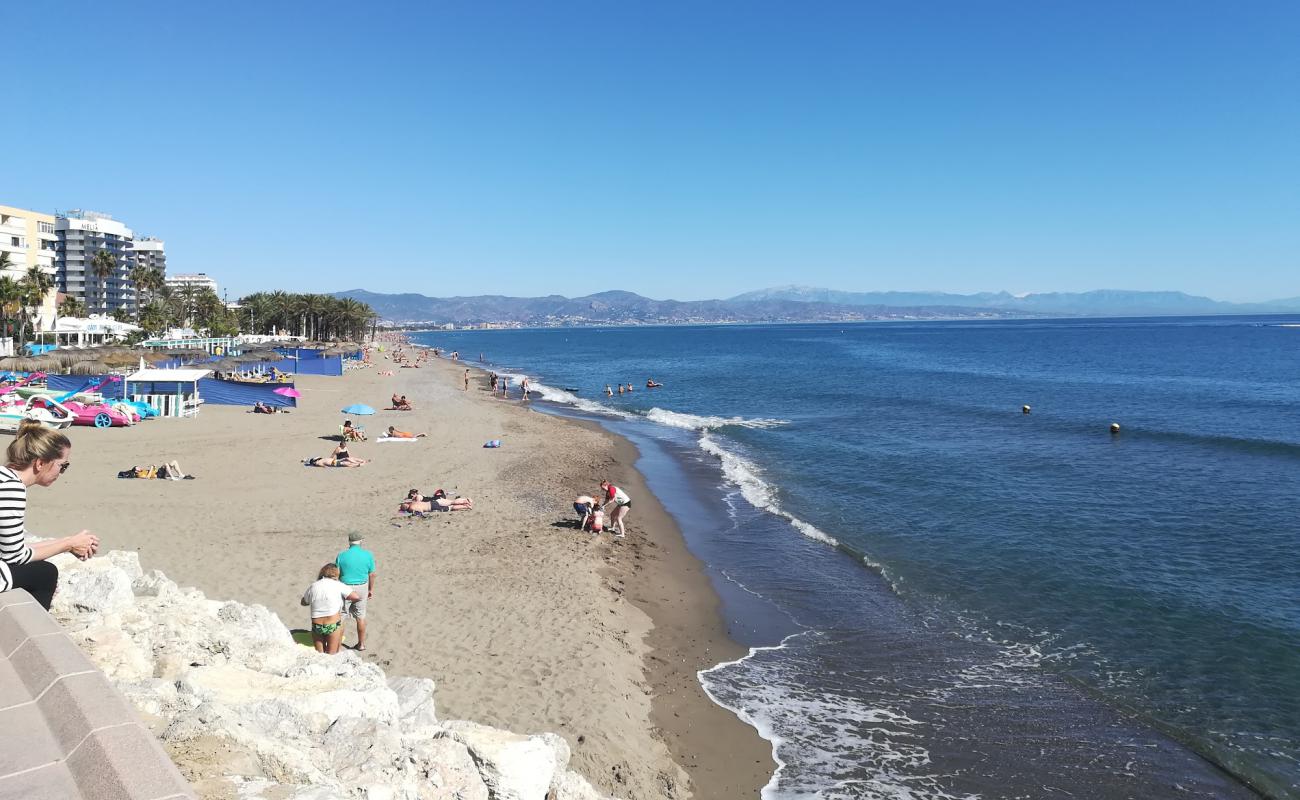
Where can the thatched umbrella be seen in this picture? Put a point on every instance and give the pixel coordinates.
(122, 358)
(89, 368)
(23, 364)
(156, 357)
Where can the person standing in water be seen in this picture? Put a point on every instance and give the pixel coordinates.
(608, 391)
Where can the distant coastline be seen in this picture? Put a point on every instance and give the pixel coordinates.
(789, 305)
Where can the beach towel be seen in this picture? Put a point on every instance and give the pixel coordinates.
(396, 439)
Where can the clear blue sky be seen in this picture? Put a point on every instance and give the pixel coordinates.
(676, 149)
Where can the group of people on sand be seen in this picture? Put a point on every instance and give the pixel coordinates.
(417, 503)
(591, 512)
(262, 408)
(342, 588)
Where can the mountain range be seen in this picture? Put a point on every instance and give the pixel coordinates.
(791, 304)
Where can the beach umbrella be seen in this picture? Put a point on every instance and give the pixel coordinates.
(89, 368)
(359, 409)
(289, 391)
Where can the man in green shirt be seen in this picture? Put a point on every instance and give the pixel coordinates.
(357, 571)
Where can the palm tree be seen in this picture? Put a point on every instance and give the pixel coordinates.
(72, 307)
(10, 299)
(142, 277)
(102, 266)
(34, 285)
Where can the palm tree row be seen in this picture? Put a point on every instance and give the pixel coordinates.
(21, 299)
(315, 316)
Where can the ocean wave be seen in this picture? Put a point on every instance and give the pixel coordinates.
(747, 476)
(695, 422)
(824, 744)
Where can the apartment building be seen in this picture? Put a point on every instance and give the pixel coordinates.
(197, 280)
(149, 252)
(82, 234)
(29, 239)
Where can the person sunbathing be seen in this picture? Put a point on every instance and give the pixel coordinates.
(438, 501)
(402, 404)
(394, 433)
(342, 458)
(351, 434)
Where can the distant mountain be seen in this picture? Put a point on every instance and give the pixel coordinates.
(1100, 303)
(627, 308)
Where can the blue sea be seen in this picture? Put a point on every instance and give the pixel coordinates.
(945, 597)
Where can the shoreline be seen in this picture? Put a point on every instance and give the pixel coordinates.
(523, 621)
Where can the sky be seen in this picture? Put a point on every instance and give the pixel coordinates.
(682, 150)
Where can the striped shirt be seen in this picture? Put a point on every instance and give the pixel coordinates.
(13, 535)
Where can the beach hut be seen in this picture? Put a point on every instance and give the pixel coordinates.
(174, 392)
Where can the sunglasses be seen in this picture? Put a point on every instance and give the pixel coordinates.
(64, 467)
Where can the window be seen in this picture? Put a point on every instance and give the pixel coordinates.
(13, 240)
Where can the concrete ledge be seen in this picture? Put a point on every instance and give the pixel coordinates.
(65, 732)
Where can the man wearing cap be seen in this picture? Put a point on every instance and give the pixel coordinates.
(357, 571)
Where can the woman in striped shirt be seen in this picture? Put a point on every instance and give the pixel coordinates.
(36, 457)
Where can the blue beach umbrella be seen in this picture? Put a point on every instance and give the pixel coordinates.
(358, 408)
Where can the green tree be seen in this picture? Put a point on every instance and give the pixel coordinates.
(35, 285)
(102, 266)
(72, 307)
(11, 297)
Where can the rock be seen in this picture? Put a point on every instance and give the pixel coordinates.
(414, 701)
(241, 706)
(100, 586)
(514, 766)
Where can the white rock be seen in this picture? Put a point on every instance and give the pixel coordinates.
(575, 787)
(415, 701)
(99, 587)
(127, 561)
(514, 766)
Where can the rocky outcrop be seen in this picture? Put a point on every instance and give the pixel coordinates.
(247, 712)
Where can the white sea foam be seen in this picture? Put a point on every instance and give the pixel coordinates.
(748, 478)
(817, 736)
(695, 422)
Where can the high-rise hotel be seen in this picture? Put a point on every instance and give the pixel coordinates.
(83, 234)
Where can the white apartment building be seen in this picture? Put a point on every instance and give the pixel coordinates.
(149, 252)
(29, 239)
(197, 280)
(81, 234)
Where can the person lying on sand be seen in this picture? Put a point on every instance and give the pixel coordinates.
(263, 408)
(394, 433)
(437, 502)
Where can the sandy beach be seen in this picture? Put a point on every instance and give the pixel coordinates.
(523, 621)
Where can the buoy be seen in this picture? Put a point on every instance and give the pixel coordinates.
(1114, 427)
(1024, 409)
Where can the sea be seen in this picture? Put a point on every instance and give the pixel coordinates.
(944, 596)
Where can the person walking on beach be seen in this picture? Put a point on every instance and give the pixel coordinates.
(326, 597)
(622, 504)
(36, 457)
(492, 382)
(523, 388)
(467, 380)
(357, 567)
